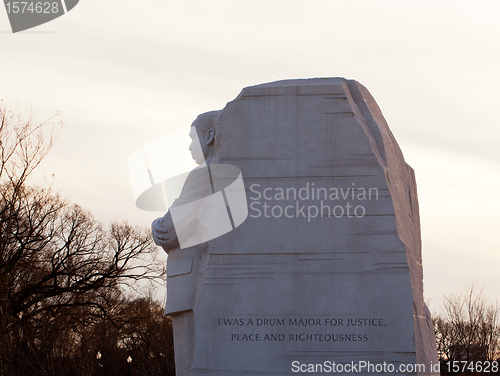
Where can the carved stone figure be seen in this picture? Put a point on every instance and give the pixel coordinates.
(185, 267)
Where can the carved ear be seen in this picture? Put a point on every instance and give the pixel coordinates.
(209, 138)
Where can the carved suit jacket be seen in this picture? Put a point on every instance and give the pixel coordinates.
(185, 267)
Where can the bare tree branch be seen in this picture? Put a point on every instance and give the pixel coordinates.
(469, 329)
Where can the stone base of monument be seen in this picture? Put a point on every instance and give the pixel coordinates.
(326, 271)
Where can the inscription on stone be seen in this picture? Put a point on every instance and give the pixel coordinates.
(333, 329)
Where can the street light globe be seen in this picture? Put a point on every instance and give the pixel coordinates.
(129, 359)
(98, 355)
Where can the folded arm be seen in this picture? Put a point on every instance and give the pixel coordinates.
(164, 233)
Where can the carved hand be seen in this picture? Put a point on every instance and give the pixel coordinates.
(164, 233)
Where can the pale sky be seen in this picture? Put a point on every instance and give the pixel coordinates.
(124, 73)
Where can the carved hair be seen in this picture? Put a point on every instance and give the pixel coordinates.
(206, 121)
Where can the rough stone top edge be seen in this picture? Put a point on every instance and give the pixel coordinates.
(315, 81)
(303, 82)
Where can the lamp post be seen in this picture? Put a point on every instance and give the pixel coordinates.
(129, 361)
(98, 357)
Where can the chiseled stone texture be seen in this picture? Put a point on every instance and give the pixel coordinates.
(287, 288)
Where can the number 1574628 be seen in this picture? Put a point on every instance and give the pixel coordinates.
(32, 7)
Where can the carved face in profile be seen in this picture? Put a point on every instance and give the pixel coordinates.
(202, 136)
(195, 146)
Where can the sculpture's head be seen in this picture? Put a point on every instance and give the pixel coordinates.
(202, 135)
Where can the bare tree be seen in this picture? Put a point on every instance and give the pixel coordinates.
(469, 329)
(24, 143)
(60, 270)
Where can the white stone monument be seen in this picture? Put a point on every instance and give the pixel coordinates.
(326, 270)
